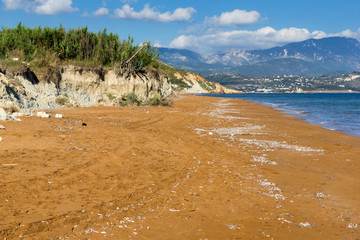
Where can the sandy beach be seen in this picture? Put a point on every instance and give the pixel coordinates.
(206, 168)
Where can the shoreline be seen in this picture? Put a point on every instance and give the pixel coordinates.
(298, 113)
(205, 168)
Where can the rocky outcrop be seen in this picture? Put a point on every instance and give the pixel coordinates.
(195, 83)
(77, 86)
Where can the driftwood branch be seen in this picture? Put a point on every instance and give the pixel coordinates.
(129, 60)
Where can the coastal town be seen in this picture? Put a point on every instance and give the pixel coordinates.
(289, 84)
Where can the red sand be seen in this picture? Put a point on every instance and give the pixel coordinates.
(207, 168)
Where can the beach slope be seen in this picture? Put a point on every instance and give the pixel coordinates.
(207, 168)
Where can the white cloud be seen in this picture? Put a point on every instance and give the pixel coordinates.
(243, 39)
(348, 33)
(151, 14)
(46, 7)
(128, 1)
(236, 17)
(158, 44)
(51, 7)
(101, 12)
(13, 4)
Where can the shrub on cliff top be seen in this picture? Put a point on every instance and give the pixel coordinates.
(73, 45)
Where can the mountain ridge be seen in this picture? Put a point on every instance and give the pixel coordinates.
(331, 55)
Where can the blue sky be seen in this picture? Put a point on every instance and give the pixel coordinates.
(204, 26)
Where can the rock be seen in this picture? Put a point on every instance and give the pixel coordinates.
(2, 127)
(39, 114)
(17, 114)
(1, 139)
(14, 118)
(3, 115)
(43, 115)
(4, 81)
(58, 116)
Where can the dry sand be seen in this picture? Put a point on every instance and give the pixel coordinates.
(207, 168)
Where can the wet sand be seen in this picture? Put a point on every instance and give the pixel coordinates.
(207, 168)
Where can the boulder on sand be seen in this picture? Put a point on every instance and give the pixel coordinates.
(3, 115)
(43, 115)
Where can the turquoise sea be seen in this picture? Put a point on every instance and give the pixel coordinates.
(335, 111)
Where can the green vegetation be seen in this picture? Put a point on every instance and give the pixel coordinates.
(131, 99)
(179, 82)
(61, 101)
(42, 47)
(170, 71)
(157, 101)
(111, 96)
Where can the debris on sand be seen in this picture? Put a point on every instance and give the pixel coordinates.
(306, 224)
(320, 195)
(264, 160)
(174, 210)
(232, 227)
(352, 225)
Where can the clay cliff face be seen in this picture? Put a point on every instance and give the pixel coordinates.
(75, 86)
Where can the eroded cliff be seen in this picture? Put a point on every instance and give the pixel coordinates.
(78, 86)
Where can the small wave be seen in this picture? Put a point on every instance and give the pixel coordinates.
(274, 105)
(303, 112)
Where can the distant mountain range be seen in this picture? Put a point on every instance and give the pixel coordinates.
(313, 57)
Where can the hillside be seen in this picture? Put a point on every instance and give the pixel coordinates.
(187, 82)
(283, 66)
(188, 60)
